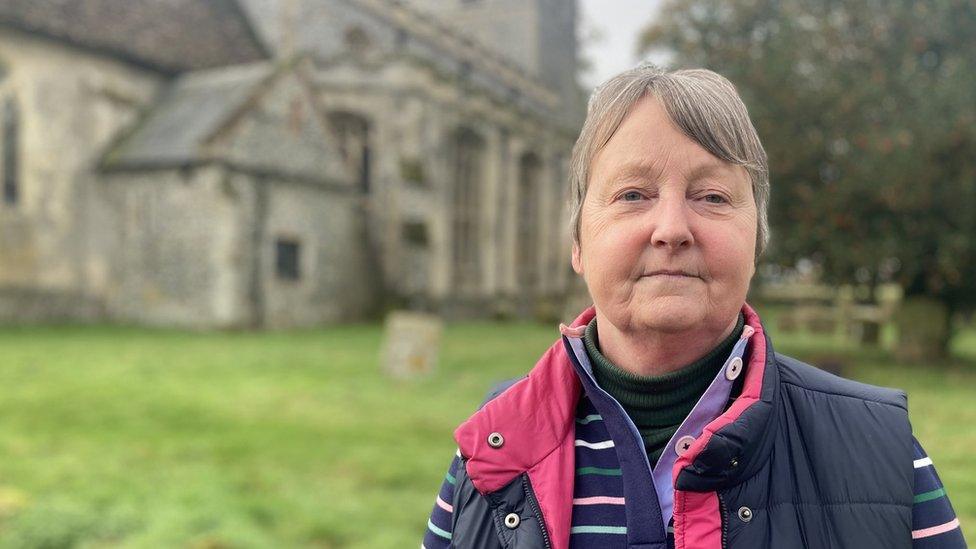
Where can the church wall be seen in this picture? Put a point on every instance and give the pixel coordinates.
(559, 52)
(375, 31)
(317, 26)
(181, 255)
(199, 248)
(560, 264)
(72, 105)
(351, 96)
(79, 232)
(415, 116)
(537, 35)
(510, 29)
(334, 282)
(282, 132)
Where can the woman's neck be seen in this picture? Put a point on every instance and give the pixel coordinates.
(655, 353)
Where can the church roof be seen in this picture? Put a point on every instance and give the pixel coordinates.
(396, 29)
(167, 35)
(189, 113)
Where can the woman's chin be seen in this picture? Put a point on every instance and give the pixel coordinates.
(670, 314)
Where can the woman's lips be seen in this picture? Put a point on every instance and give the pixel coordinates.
(671, 273)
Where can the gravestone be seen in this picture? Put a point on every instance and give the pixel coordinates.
(924, 330)
(411, 344)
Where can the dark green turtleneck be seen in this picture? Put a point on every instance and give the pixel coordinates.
(658, 404)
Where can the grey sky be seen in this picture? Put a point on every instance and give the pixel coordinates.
(612, 27)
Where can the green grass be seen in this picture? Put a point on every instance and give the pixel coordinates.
(118, 437)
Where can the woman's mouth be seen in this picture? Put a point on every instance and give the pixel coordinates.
(671, 273)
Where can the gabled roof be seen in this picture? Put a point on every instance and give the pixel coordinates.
(260, 118)
(166, 35)
(189, 113)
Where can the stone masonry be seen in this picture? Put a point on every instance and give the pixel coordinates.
(325, 159)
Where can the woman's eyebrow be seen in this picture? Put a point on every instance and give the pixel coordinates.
(709, 168)
(637, 170)
(651, 171)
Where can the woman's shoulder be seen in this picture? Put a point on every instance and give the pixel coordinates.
(498, 388)
(796, 373)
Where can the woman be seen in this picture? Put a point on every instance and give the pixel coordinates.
(662, 417)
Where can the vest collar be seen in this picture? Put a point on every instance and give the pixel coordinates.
(536, 415)
(735, 445)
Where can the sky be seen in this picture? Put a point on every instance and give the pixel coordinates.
(611, 28)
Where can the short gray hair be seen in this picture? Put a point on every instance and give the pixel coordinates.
(702, 104)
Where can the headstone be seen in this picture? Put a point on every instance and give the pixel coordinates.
(411, 344)
(923, 330)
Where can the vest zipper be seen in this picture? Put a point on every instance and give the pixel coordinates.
(725, 523)
(530, 497)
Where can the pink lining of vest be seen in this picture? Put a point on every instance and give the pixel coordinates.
(536, 418)
(698, 515)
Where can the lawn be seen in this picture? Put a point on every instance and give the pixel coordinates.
(124, 437)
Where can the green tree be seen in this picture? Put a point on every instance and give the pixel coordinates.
(868, 114)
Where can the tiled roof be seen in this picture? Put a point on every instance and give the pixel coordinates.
(188, 114)
(167, 35)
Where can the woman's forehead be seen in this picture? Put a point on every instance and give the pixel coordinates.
(648, 143)
(648, 169)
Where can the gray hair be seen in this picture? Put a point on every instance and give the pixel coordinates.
(702, 104)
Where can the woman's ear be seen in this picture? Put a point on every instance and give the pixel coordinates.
(577, 259)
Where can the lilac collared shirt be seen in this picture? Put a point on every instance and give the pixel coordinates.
(711, 405)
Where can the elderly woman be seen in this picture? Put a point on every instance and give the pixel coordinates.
(662, 417)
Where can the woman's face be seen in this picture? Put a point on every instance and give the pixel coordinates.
(668, 231)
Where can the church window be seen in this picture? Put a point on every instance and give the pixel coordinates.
(352, 138)
(296, 115)
(412, 171)
(527, 224)
(468, 169)
(287, 259)
(357, 40)
(402, 37)
(415, 258)
(9, 149)
(464, 71)
(415, 233)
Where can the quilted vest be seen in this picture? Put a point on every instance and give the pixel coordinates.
(813, 461)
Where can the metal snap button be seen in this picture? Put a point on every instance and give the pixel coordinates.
(496, 440)
(512, 521)
(683, 444)
(745, 514)
(734, 462)
(734, 369)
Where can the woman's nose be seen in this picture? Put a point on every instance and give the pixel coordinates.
(671, 224)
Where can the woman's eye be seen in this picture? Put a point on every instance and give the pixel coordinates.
(715, 199)
(631, 196)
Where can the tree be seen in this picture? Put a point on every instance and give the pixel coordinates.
(868, 114)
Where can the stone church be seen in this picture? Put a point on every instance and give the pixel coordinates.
(273, 163)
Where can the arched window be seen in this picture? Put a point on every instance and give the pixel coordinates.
(9, 148)
(468, 170)
(352, 138)
(527, 235)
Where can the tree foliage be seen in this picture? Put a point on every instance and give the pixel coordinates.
(867, 109)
